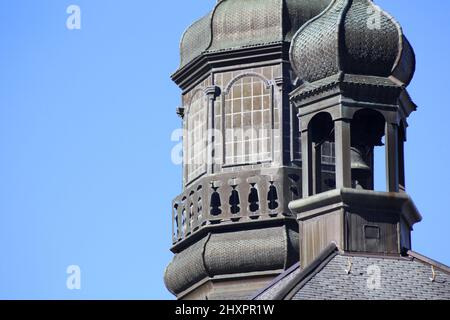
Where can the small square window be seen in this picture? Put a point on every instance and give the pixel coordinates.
(372, 232)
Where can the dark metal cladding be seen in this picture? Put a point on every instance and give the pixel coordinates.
(227, 253)
(353, 37)
(236, 24)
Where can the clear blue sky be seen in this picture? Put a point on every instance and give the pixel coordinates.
(85, 122)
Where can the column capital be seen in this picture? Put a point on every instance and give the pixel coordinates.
(212, 92)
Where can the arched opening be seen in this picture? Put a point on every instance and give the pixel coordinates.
(321, 131)
(272, 196)
(215, 202)
(253, 198)
(367, 151)
(234, 201)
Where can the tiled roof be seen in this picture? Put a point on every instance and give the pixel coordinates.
(343, 276)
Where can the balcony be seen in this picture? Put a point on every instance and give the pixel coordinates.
(234, 198)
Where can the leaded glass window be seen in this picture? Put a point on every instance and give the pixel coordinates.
(196, 136)
(248, 121)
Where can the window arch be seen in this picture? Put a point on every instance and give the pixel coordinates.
(248, 120)
(196, 129)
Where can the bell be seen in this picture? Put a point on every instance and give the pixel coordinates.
(357, 161)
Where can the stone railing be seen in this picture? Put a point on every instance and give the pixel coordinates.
(234, 198)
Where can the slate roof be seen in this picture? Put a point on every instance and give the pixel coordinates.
(279, 283)
(343, 276)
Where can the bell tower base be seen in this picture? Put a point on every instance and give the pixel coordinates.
(359, 221)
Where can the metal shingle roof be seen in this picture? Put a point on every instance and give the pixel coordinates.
(235, 24)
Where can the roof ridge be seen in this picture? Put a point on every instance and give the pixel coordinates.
(272, 283)
(426, 260)
(312, 269)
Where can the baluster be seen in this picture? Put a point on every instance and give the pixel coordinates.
(225, 192)
(263, 191)
(184, 213)
(190, 212)
(203, 205)
(244, 190)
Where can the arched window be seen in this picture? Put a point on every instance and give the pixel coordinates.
(196, 136)
(248, 121)
(321, 131)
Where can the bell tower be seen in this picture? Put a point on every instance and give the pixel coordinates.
(355, 64)
(284, 104)
(233, 231)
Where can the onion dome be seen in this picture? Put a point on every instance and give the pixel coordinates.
(238, 24)
(352, 37)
